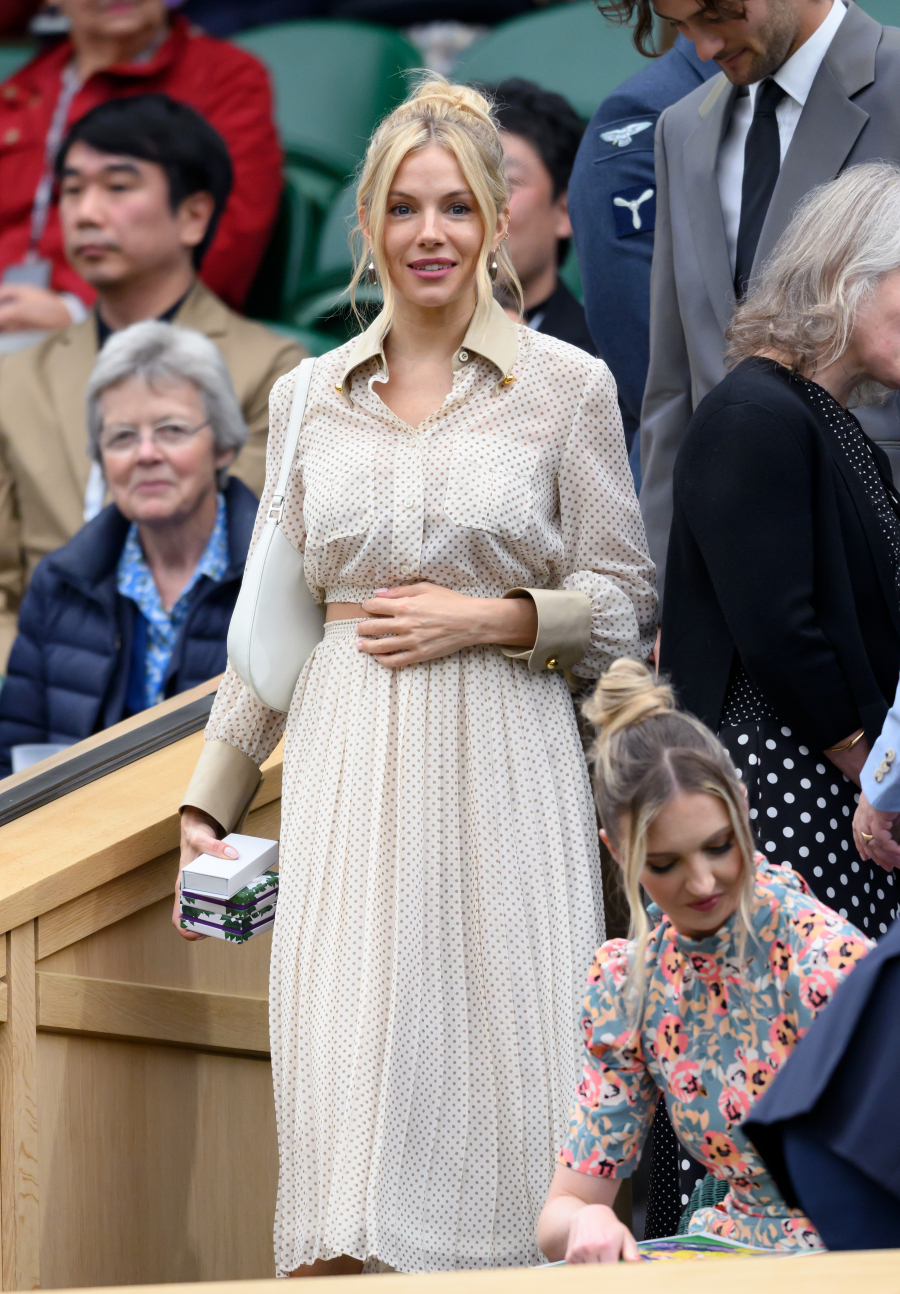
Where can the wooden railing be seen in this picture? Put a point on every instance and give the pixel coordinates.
(137, 1139)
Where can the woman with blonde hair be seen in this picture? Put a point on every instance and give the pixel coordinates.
(781, 627)
(463, 501)
(721, 976)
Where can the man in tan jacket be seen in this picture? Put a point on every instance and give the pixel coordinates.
(142, 183)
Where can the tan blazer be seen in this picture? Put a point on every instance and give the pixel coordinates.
(44, 465)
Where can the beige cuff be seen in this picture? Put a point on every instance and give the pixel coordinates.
(224, 782)
(564, 629)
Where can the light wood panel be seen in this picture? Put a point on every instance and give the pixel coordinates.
(145, 949)
(19, 1209)
(134, 1065)
(875, 1272)
(101, 831)
(216, 1021)
(158, 1164)
(107, 904)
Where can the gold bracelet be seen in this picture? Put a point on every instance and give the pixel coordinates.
(834, 750)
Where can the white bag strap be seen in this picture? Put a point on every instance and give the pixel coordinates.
(298, 408)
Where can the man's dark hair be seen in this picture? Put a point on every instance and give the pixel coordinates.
(545, 119)
(549, 123)
(155, 128)
(640, 14)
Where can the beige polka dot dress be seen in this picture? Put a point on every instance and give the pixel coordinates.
(440, 893)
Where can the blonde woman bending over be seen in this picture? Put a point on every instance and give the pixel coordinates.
(707, 1004)
(463, 501)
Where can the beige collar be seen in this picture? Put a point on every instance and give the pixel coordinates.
(497, 340)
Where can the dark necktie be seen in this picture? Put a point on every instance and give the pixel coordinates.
(762, 162)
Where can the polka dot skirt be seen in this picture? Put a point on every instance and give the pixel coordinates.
(802, 810)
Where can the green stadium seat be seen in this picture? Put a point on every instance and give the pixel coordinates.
(570, 48)
(12, 57)
(571, 274)
(334, 81)
(316, 343)
(324, 304)
(887, 12)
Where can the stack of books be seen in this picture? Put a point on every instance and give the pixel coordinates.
(232, 898)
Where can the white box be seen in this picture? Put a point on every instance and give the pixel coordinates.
(223, 877)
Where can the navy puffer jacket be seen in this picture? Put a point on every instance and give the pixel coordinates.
(68, 670)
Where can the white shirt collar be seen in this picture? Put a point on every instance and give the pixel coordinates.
(796, 74)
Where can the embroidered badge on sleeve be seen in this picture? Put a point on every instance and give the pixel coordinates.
(621, 136)
(634, 210)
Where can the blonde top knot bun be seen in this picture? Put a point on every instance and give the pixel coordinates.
(627, 695)
(440, 97)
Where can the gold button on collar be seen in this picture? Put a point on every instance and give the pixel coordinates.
(508, 380)
(551, 663)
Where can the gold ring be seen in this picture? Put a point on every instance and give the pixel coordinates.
(866, 837)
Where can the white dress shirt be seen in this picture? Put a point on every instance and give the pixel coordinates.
(795, 76)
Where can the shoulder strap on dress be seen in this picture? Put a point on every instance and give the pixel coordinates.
(291, 440)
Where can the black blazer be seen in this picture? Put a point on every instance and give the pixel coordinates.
(562, 316)
(776, 554)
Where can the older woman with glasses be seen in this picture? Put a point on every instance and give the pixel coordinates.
(136, 607)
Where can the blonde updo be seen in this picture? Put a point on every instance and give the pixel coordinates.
(647, 752)
(457, 118)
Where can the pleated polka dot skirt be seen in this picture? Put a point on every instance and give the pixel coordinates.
(802, 810)
(440, 903)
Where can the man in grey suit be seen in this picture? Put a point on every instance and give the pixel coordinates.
(808, 87)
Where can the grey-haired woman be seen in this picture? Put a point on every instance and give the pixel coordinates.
(782, 612)
(136, 607)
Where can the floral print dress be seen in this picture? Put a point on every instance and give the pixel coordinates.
(713, 1032)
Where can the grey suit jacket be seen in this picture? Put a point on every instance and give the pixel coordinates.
(852, 115)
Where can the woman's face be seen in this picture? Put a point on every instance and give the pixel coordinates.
(158, 473)
(433, 231)
(694, 867)
(113, 19)
(875, 340)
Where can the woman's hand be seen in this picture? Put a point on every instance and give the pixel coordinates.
(426, 622)
(577, 1222)
(199, 835)
(850, 762)
(881, 848)
(597, 1236)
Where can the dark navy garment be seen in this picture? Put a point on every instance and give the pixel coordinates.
(136, 687)
(828, 1127)
(612, 203)
(69, 669)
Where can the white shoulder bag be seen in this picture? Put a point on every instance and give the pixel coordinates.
(276, 624)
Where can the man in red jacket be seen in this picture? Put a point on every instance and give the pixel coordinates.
(118, 48)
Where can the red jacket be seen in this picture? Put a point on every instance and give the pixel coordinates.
(228, 86)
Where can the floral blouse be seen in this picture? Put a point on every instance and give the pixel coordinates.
(712, 1036)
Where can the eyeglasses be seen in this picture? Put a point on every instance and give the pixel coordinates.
(165, 435)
